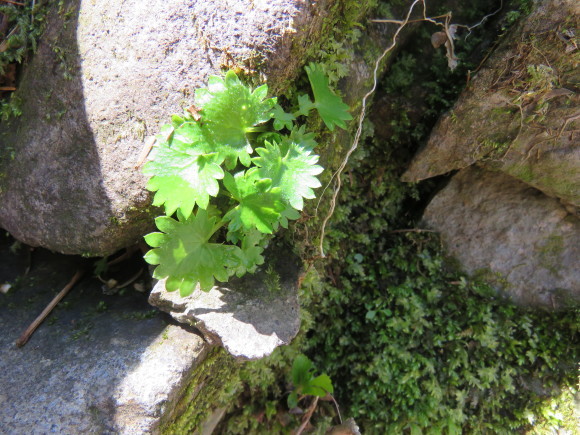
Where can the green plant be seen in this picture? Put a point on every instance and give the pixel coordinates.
(256, 177)
(25, 24)
(305, 383)
(411, 344)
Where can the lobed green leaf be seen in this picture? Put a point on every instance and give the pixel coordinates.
(230, 112)
(260, 205)
(330, 106)
(292, 168)
(185, 255)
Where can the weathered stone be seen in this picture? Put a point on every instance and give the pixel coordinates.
(523, 242)
(98, 364)
(519, 114)
(104, 78)
(250, 317)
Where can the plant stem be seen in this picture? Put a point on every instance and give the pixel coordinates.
(307, 416)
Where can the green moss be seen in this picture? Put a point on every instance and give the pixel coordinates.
(272, 280)
(557, 178)
(324, 37)
(25, 25)
(205, 390)
(490, 149)
(409, 342)
(561, 414)
(550, 252)
(523, 172)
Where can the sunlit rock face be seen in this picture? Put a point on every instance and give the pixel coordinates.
(249, 317)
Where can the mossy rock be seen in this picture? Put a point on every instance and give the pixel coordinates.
(519, 114)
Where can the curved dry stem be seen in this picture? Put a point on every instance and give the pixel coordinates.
(358, 134)
(402, 23)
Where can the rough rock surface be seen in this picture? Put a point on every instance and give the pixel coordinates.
(105, 77)
(502, 230)
(519, 114)
(250, 317)
(98, 364)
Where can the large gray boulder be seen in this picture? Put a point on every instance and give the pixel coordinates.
(105, 77)
(503, 231)
(519, 114)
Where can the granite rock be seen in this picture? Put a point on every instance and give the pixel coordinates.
(519, 114)
(105, 77)
(98, 364)
(501, 230)
(249, 317)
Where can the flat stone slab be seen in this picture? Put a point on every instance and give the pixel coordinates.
(251, 316)
(98, 364)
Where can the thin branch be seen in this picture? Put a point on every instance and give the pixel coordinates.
(113, 284)
(307, 416)
(4, 44)
(358, 134)
(13, 2)
(484, 19)
(30, 330)
(408, 22)
(337, 409)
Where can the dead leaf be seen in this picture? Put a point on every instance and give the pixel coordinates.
(194, 112)
(438, 39)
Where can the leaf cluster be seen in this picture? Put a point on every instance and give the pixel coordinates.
(233, 168)
(305, 383)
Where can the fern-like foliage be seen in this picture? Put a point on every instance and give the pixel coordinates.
(232, 178)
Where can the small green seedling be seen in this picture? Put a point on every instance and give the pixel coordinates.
(305, 383)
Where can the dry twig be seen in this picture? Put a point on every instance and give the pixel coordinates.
(30, 330)
(307, 416)
(145, 151)
(12, 2)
